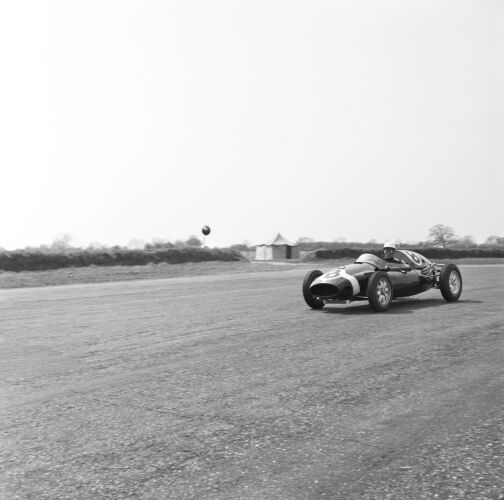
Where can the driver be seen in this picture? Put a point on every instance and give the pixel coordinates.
(388, 252)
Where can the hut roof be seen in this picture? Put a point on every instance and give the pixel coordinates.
(278, 240)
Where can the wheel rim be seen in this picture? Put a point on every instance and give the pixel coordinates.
(383, 292)
(454, 282)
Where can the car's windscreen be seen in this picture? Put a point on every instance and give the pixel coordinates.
(369, 258)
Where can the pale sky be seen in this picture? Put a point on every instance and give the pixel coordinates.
(145, 119)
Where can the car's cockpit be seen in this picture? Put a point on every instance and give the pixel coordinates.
(407, 258)
(371, 259)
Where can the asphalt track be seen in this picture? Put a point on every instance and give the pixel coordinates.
(230, 387)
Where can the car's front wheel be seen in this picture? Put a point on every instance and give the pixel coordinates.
(379, 291)
(450, 282)
(310, 299)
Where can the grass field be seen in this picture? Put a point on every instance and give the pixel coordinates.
(94, 274)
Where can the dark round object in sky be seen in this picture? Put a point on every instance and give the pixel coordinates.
(205, 230)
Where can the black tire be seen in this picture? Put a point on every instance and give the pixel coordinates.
(450, 282)
(379, 291)
(310, 299)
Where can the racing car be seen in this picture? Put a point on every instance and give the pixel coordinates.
(379, 282)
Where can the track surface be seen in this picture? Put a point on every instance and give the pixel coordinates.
(230, 387)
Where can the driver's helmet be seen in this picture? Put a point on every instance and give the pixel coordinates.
(388, 249)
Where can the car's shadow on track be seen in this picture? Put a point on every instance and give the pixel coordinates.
(399, 306)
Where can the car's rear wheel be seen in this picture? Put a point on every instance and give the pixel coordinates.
(450, 282)
(379, 291)
(310, 299)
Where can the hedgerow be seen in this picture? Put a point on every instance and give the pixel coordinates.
(430, 253)
(30, 260)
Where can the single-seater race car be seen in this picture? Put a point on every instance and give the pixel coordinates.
(378, 281)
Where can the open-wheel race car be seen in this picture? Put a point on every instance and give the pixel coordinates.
(379, 282)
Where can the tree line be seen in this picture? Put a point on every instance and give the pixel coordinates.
(440, 236)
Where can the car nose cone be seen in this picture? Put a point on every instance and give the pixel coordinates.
(324, 290)
(340, 288)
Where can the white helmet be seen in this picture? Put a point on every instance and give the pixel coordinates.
(390, 244)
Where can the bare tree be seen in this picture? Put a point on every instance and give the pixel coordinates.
(465, 242)
(62, 243)
(96, 245)
(494, 241)
(193, 241)
(136, 244)
(441, 235)
(242, 247)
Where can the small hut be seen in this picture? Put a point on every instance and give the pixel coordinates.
(277, 249)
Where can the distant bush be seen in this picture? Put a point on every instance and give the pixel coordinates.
(455, 253)
(30, 260)
(337, 245)
(338, 253)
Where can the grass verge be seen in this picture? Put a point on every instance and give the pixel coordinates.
(96, 274)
